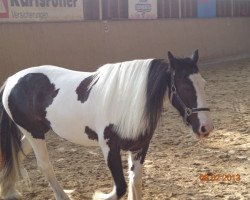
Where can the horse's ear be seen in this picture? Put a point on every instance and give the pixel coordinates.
(195, 56)
(170, 57)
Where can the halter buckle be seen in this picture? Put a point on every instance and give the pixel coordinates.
(188, 112)
(173, 89)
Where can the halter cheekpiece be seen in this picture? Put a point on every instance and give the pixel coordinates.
(187, 111)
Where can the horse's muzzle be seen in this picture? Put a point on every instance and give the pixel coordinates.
(205, 130)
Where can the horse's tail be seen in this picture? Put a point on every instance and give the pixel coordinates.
(10, 145)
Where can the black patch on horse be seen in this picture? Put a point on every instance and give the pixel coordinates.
(83, 90)
(158, 81)
(126, 144)
(28, 101)
(92, 135)
(138, 146)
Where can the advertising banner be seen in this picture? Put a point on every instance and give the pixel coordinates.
(206, 8)
(40, 10)
(142, 9)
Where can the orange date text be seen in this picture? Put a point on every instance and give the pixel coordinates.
(220, 177)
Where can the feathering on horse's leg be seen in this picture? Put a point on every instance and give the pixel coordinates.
(44, 164)
(135, 161)
(113, 160)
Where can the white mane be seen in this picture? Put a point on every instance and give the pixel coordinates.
(121, 90)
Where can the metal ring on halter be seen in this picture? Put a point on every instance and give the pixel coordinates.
(188, 112)
(173, 89)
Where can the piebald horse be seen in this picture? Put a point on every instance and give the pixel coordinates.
(116, 107)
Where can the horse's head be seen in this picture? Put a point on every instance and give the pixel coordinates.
(187, 93)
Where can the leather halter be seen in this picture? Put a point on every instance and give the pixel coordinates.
(187, 111)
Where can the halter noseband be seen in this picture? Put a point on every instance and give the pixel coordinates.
(187, 111)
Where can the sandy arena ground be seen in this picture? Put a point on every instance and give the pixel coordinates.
(175, 159)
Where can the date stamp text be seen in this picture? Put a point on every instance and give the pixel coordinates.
(220, 177)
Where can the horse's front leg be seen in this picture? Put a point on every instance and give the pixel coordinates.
(111, 152)
(136, 160)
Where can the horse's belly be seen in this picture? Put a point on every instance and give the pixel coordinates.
(73, 132)
(72, 121)
(76, 138)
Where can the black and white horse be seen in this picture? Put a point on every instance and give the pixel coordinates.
(117, 107)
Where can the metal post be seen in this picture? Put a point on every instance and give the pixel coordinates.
(170, 9)
(180, 9)
(232, 8)
(163, 9)
(100, 9)
(119, 10)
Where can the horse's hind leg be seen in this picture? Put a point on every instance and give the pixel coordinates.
(43, 162)
(136, 160)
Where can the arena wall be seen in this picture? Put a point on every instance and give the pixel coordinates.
(85, 45)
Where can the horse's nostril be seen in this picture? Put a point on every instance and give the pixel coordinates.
(203, 129)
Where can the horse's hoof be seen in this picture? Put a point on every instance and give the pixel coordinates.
(101, 196)
(63, 197)
(97, 195)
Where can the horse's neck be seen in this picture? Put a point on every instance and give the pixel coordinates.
(158, 84)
